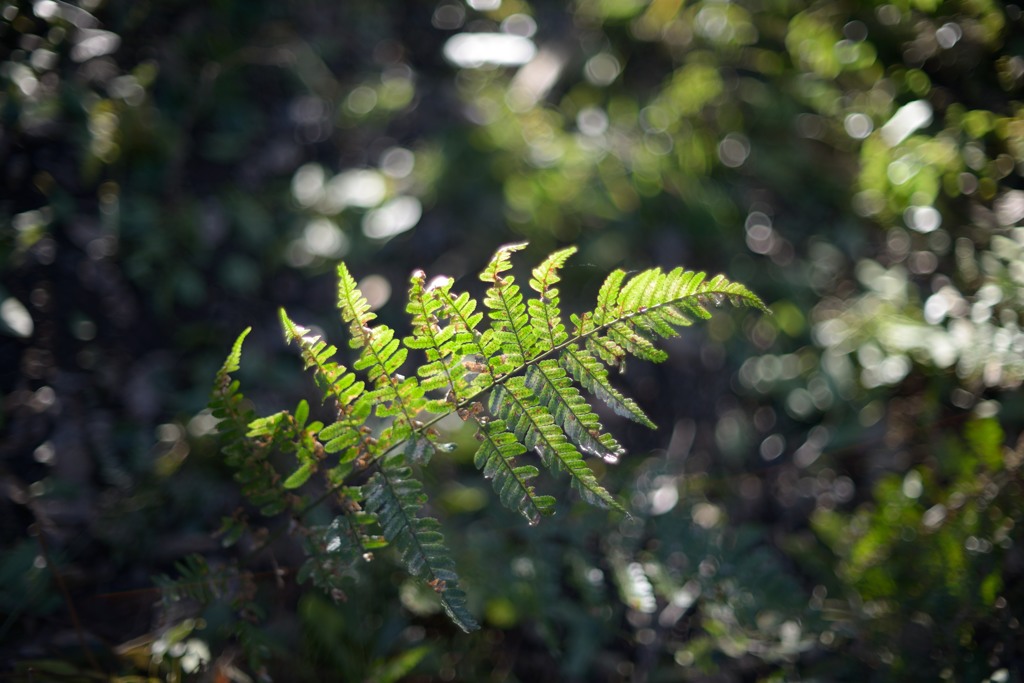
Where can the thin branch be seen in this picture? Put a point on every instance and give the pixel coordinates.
(37, 530)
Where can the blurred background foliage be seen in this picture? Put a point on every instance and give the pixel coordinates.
(835, 492)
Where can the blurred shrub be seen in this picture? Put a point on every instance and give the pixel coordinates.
(170, 170)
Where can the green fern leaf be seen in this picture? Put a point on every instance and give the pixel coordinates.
(652, 304)
(258, 479)
(535, 428)
(480, 353)
(468, 345)
(607, 297)
(510, 326)
(381, 356)
(395, 498)
(496, 459)
(234, 359)
(270, 426)
(539, 377)
(510, 330)
(626, 336)
(332, 378)
(544, 314)
(344, 437)
(354, 308)
(606, 349)
(593, 377)
(300, 476)
(442, 346)
(393, 395)
(638, 291)
(555, 390)
(225, 399)
(337, 383)
(501, 262)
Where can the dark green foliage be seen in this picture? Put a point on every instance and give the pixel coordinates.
(199, 582)
(535, 375)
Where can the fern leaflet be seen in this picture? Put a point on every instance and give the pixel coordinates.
(535, 428)
(354, 308)
(396, 498)
(247, 456)
(544, 314)
(496, 459)
(442, 346)
(555, 390)
(593, 377)
(510, 325)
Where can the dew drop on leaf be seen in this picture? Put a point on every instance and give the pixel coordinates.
(447, 447)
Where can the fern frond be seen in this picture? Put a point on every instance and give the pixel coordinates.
(354, 308)
(308, 450)
(337, 383)
(593, 377)
(606, 298)
(234, 359)
(630, 314)
(637, 290)
(496, 459)
(469, 345)
(226, 399)
(344, 436)
(535, 427)
(544, 314)
(501, 262)
(441, 345)
(510, 325)
(396, 498)
(536, 376)
(635, 340)
(381, 356)
(544, 409)
(606, 349)
(555, 390)
(288, 432)
(334, 379)
(248, 457)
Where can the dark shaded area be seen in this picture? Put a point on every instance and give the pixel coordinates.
(835, 490)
